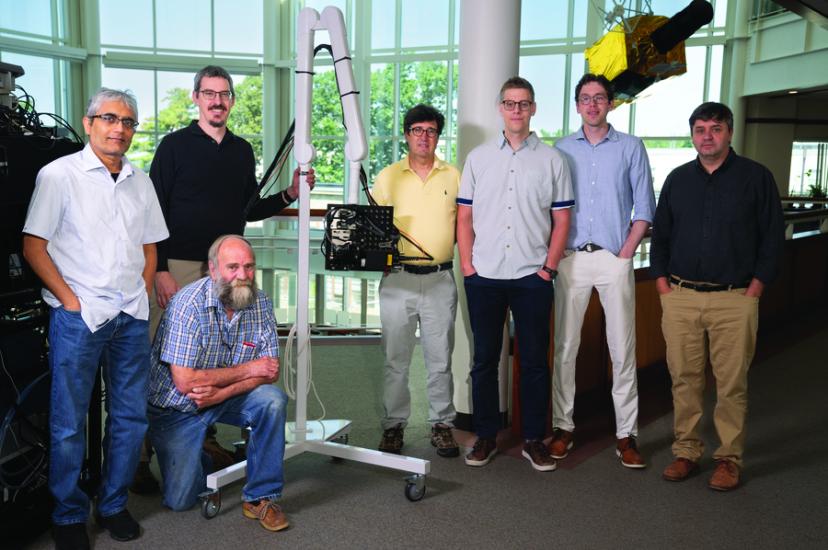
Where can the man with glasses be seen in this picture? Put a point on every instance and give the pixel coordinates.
(205, 176)
(423, 191)
(613, 185)
(512, 224)
(90, 236)
(718, 237)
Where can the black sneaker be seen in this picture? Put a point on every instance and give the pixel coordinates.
(538, 455)
(121, 526)
(482, 452)
(70, 537)
(392, 440)
(443, 439)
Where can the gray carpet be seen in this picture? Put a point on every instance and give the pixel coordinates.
(589, 502)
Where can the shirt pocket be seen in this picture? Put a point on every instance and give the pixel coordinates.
(244, 351)
(537, 185)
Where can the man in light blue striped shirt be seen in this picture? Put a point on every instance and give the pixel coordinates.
(613, 185)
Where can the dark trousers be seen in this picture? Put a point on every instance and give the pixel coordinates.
(530, 300)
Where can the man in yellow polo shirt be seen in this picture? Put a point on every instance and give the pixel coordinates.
(423, 191)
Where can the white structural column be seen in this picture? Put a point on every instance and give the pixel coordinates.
(489, 49)
(735, 63)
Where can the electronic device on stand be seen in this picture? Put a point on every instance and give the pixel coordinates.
(362, 233)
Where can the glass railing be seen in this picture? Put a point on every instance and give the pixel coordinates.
(347, 302)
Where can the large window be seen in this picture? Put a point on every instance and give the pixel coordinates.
(809, 169)
(404, 52)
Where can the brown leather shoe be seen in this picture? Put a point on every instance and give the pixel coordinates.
(538, 455)
(268, 513)
(483, 451)
(561, 444)
(627, 451)
(725, 477)
(680, 469)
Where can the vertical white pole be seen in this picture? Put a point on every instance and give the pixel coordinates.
(304, 153)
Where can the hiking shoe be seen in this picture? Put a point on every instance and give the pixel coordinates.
(443, 439)
(561, 444)
(121, 526)
(725, 477)
(627, 452)
(680, 469)
(482, 452)
(538, 455)
(144, 483)
(268, 513)
(392, 440)
(71, 536)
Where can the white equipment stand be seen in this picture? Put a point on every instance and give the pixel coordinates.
(305, 439)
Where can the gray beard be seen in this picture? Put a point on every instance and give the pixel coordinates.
(237, 295)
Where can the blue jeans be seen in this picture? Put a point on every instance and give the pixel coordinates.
(530, 300)
(122, 346)
(178, 436)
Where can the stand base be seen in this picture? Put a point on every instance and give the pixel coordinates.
(317, 439)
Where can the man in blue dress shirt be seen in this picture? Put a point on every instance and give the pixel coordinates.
(613, 185)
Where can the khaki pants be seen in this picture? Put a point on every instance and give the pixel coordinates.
(724, 325)
(184, 272)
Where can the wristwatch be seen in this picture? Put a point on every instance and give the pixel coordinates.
(552, 272)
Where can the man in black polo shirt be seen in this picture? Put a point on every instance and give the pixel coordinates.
(204, 176)
(717, 240)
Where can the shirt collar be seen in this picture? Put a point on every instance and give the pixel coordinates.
(90, 161)
(439, 164)
(731, 157)
(612, 135)
(211, 299)
(195, 129)
(531, 141)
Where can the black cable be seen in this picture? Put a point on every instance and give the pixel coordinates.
(284, 149)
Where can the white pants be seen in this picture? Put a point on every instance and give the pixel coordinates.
(405, 300)
(614, 279)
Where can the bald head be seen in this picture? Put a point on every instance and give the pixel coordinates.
(233, 270)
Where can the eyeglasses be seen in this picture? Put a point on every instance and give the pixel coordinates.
(211, 94)
(509, 105)
(419, 130)
(110, 119)
(596, 99)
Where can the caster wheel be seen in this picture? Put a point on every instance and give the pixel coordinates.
(414, 491)
(210, 505)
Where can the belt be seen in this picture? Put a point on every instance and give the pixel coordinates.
(590, 247)
(426, 269)
(704, 287)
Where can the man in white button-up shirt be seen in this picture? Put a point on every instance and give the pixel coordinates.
(90, 235)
